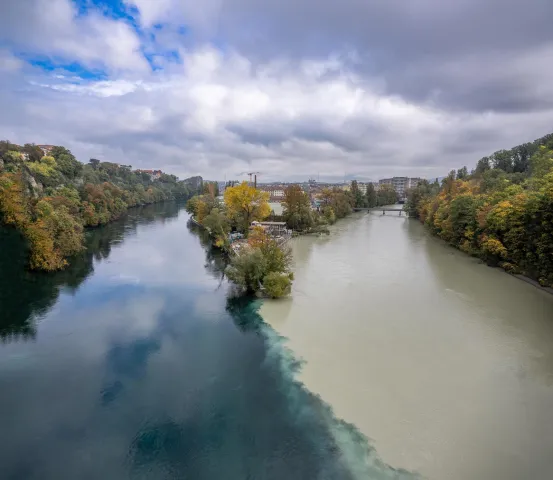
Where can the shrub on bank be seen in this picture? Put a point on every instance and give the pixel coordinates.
(277, 285)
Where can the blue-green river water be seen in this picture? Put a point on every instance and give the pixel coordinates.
(136, 362)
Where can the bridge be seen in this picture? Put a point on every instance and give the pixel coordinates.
(383, 210)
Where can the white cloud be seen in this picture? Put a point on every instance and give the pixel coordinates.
(153, 11)
(53, 28)
(290, 115)
(9, 63)
(217, 116)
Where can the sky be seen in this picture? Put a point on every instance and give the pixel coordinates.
(293, 89)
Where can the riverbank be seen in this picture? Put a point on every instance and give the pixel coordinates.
(441, 361)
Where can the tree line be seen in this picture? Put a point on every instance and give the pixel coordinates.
(50, 199)
(502, 211)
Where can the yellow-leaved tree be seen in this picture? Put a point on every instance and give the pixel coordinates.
(245, 204)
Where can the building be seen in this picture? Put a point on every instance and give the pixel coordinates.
(276, 194)
(400, 184)
(275, 229)
(362, 188)
(154, 174)
(46, 149)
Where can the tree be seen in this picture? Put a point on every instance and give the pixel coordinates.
(358, 198)
(211, 188)
(386, 195)
(297, 213)
(247, 270)
(7, 146)
(371, 197)
(417, 196)
(462, 173)
(68, 165)
(329, 215)
(264, 260)
(482, 166)
(95, 163)
(503, 161)
(219, 226)
(246, 204)
(34, 153)
(277, 285)
(339, 201)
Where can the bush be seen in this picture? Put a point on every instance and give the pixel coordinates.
(277, 285)
(247, 269)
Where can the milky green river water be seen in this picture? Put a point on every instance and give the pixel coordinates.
(445, 363)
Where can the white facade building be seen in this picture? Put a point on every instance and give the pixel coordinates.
(401, 184)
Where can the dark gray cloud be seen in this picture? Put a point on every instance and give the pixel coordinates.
(407, 43)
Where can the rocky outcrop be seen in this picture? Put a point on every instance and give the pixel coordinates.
(34, 188)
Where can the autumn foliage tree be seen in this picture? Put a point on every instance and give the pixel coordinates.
(49, 199)
(497, 213)
(245, 204)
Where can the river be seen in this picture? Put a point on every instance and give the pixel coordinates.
(137, 362)
(445, 363)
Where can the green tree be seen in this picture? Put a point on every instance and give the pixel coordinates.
(34, 153)
(247, 270)
(95, 163)
(386, 195)
(218, 225)
(358, 198)
(297, 212)
(277, 285)
(462, 173)
(371, 197)
(482, 166)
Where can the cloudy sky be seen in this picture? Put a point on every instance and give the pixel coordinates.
(290, 88)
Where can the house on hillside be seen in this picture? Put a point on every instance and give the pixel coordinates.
(154, 174)
(46, 149)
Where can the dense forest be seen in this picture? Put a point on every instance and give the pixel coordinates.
(50, 199)
(502, 211)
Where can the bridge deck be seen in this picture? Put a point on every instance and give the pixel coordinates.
(382, 209)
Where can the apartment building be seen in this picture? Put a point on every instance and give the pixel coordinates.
(400, 184)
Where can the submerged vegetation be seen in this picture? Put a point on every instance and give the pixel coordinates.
(501, 212)
(51, 198)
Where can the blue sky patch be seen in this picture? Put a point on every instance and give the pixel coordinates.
(54, 65)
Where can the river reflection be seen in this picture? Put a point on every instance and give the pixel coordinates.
(27, 296)
(142, 366)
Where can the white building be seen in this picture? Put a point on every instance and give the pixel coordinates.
(400, 184)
